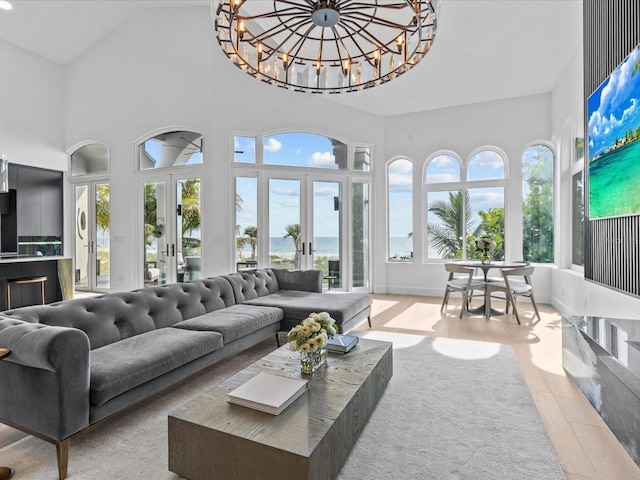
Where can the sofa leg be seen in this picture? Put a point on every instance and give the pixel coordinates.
(369, 320)
(62, 451)
(278, 339)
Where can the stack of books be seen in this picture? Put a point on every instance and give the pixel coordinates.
(341, 343)
(268, 392)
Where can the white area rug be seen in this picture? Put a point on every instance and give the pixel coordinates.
(454, 409)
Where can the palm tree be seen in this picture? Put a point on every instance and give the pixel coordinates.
(293, 231)
(250, 238)
(190, 205)
(446, 235)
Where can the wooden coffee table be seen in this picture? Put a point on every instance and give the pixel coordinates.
(212, 439)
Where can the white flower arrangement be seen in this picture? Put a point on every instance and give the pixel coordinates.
(486, 244)
(312, 333)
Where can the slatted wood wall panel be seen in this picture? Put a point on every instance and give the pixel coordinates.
(611, 31)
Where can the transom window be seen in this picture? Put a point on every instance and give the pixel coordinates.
(171, 149)
(90, 159)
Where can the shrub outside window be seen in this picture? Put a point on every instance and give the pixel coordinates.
(537, 206)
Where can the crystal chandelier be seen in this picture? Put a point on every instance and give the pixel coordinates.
(329, 46)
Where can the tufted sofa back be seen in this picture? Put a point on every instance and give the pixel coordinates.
(115, 316)
(253, 284)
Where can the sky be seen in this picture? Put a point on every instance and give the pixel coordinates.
(290, 149)
(613, 108)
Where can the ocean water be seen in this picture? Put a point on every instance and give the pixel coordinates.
(330, 246)
(324, 246)
(613, 183)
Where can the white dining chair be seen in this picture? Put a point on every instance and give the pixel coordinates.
(464, 283)
(512, 287)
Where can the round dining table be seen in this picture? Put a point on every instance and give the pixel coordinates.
(485, 267)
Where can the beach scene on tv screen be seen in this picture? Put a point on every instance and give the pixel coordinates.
(614, 142)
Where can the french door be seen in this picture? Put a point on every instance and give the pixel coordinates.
(318, 222)
(92, 236)
(305, 228)
(171, 228)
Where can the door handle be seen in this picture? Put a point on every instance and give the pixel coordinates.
(167, 249)
(303, 245)
(311, 250)
(173, 249)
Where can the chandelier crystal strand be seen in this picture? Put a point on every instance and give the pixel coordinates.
(326, 46)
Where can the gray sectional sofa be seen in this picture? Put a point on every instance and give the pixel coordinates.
(75, 363)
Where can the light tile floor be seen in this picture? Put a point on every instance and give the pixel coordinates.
(584, 444)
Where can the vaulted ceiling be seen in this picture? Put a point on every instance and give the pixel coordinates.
(484, 49)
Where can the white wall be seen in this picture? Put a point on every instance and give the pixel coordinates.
(511, 125)
(164, 68)
(31, 109)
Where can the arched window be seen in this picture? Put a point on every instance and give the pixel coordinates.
(171, 149)
(486, 173)
(459, 211)
(537, 204)
(400, 214)
(90, 159)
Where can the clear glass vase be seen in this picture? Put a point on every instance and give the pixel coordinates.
(485, 258)
(312, 361)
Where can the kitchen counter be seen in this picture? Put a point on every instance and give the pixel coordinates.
(13, 258)
(57, 269)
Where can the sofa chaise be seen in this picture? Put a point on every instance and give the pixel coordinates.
(77, 362)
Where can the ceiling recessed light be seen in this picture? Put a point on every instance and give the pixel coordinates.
(4, 5)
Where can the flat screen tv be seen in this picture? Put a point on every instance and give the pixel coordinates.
(614, 142)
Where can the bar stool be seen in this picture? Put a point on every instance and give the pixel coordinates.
(24, 281)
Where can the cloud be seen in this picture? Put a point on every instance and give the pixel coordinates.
(482, 200)
(617, 106)
(272, 145)
(287, 192)
(487, 159)
(617, 90)
(401, 176)
(443, 177)
(400, 183)
(443, 168)
(288, 202)
(326, 191)
(400, 167)
(322, 159)
(442, 161)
